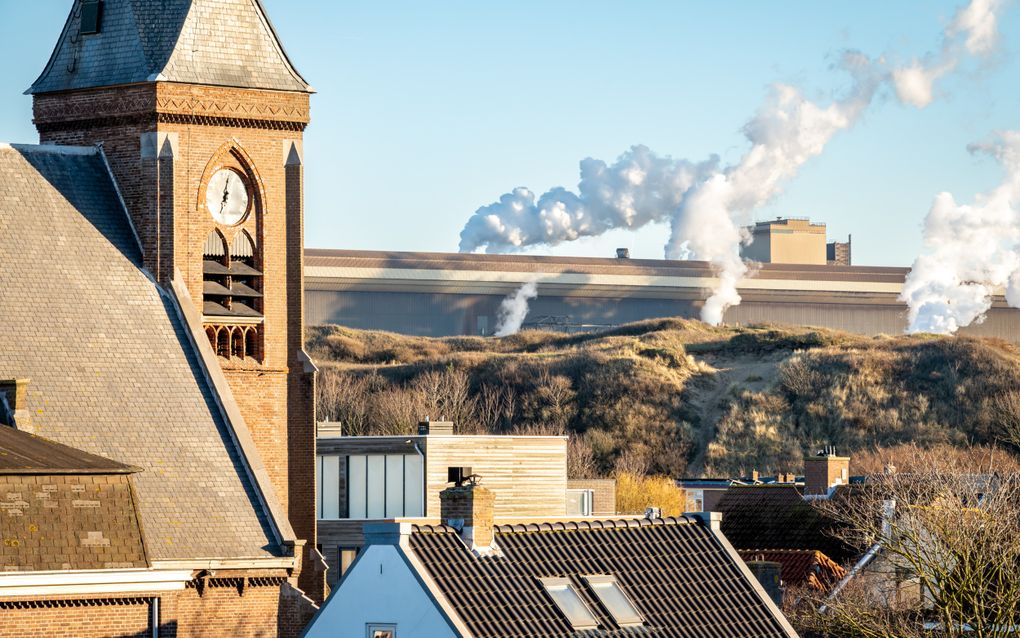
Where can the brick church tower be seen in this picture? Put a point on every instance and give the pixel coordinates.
(201, 116)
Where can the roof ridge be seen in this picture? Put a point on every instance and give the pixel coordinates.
(55, 149)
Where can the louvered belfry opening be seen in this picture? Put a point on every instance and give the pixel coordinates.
(232, 297)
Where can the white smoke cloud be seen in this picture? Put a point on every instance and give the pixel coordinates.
(639, 188)
(708, 206)
(970, 251)
(974, 30)
(514, 309)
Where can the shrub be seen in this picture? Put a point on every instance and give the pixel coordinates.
(634, 493)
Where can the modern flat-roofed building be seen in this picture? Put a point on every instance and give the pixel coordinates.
(372, 478)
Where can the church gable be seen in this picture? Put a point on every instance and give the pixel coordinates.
(210, 42)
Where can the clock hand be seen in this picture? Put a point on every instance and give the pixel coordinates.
(226, 195)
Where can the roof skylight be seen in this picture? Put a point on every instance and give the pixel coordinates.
(563, 593)
(617, 602)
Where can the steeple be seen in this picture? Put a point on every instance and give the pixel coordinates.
(229, 43)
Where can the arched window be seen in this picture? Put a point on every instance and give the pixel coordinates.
(223, 342)
(251, 342)
(237, 342)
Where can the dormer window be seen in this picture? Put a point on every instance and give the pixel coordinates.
(91, 17)
(616, 602)
(569, 602)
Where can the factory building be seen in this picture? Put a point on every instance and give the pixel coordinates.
(445, 294)
(794, 240)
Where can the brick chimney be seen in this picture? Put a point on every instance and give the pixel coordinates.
(468, 509)
(825, 470)
(14, 404)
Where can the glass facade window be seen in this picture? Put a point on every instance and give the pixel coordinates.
(369, 486)
(562, 591)
(611, 595)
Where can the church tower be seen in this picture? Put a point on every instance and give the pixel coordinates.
(201, 116)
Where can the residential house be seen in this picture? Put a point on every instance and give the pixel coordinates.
(363, 479)
(467, 575)
(777, 522)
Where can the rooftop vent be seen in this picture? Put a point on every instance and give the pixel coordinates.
(91, 17)
(623, 253)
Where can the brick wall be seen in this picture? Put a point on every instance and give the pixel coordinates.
(199, 129)
(266, 607)
(99, 618)
(603, 494)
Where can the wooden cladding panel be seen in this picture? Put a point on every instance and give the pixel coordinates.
(527, 474)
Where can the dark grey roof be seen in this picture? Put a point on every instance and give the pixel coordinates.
(111, 366)
(763, 517)
(676, 571)
(24, 453)
(217, 42)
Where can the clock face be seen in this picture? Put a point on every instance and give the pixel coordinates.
(226, 197)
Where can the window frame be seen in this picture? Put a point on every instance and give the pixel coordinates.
(372, 627)
(597, 581)
(551, 583)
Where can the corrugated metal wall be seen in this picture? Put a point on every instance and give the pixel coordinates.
(444, 314)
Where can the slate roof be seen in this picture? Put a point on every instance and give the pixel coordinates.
(111, 366)
(216, 42)
(24, 453)
(777, 517)
(800, 567)
(675, 570)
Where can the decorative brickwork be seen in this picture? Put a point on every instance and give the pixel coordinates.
(256, 607)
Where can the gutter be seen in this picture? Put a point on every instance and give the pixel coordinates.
(100, 581)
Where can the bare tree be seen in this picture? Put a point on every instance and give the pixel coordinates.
(946, 547)
(581, 461)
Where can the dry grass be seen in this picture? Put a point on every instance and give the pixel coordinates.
(631, 397)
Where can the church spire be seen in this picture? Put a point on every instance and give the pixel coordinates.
(228, 43)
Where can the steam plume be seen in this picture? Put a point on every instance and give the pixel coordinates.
(514, 309)
(970, 251)
(974, 31)
(709, 206)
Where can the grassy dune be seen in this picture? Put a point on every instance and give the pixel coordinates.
(677, 396)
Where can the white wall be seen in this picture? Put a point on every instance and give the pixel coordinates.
(379, 588)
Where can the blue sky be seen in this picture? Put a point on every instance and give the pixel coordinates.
(426, 111)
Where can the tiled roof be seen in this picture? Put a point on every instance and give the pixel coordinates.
(800, 566)
(111, 366)
(217, 42)
(24, 453)
(777, 517)
(676, 572)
